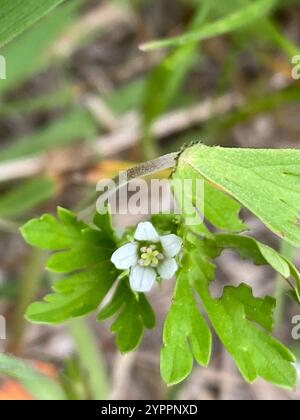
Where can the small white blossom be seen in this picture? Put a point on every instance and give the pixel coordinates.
(148, 256)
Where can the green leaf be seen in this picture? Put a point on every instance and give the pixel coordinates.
(134, 313)
(186, 334)
(261, 254)
(38, 385)
(26, 197)
(235, 318)
(53, 234)
(75, 126)
(16, 16)
(75, 296)
(22, 59)
(264, 181)
(92, 247)
(257, 310)
(104, 223)
(81, 248)
(166, 223)
(85, 255)
(221, 210)
(234, 21)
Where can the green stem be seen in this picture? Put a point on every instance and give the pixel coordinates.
(287, 251)
(28, 288)
(91, 358)
(150, 147)
(289, 48)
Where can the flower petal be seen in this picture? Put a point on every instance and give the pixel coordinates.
(145, 231)
(126, 256)
(167, 268)
(142, 278)
(171, 245)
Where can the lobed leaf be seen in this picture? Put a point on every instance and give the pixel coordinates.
(53, 234)
(261, 254)
(186, 334)
(81, 248)
(74, 296)
(264, 181)
(133, 313)
(235, 317)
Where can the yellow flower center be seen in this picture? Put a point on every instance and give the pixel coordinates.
(150, 256)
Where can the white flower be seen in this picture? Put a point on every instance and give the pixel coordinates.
(148, 256)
